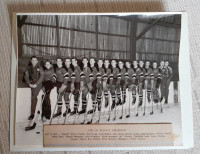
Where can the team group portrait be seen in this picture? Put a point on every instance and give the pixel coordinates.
(96, 69)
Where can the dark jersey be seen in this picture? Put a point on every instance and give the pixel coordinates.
(168, 73)
(94, 72)
(156, 74)
(34, 75)
(62, 75)
(86, 75)
(69, 70)
(76, 74)
(122, 74)
(141, 73)
(148, 73)
(49, 75)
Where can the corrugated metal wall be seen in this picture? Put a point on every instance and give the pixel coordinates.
(77, 35)
(159, 43)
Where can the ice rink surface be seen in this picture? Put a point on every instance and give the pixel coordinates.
(171, 114)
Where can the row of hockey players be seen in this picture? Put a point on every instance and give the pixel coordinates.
(97, 78)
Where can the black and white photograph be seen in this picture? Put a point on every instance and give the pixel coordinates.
(96, 69)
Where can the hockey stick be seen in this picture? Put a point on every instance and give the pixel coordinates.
(109, 107)
(115, 107)
(77, 107)
(145, 95)
(122, 105)
(67, 110)
(151, 102)
(85, 114)
(54, 108)
(93, 113)
(128, 115)
(100, 108)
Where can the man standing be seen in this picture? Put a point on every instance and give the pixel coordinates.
(48, 85)
(148, 80)
(156, 83)
(121, 83)
(163, 82)
(68, 89)
(140, 75)
(33, 77)
(75, 84)
(100, 73)
(113, 82)
(168, 77)
(61, 84)
(105, 81)
(84, 82)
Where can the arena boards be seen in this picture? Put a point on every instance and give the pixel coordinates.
(100, 81)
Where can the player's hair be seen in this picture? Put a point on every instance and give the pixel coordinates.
(34, 57)
(84, 58)
(59, 58)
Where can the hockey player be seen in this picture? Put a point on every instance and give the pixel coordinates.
(84, 83)
(121, 83)
(48, 85)
(105, 81)
(61, 84)
(68, 89)
(130, 84)
(148, 80)
(167, 77)
(33, 77)
(140, 75)
(49, 80)
(113, 82)
(156, 83)
(162, 85)
(75, 84)
(92, 85)
(100, 73)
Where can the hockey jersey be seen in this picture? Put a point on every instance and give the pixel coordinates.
(49, 75)
(62, 75)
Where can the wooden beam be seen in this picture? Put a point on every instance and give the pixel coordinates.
(133, 38)
(78, 30)
(21, 22)
(58, 36)
(172, 54)
(151, 38)
(147, 28)
(96, 30)
(160, 23)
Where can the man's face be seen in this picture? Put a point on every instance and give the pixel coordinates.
(154, 65)
(59, 62)
(162, 63)
(128, 64)
(74, 62)
(106, 63)
(100, 63)
(147, 64)
(166, 64)
(34, 61)
(92, 61)
(85, 62)
(135, 63)
(48, 65)
(141, 63)
(67, 62)
(113, 63)
(121, 64)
